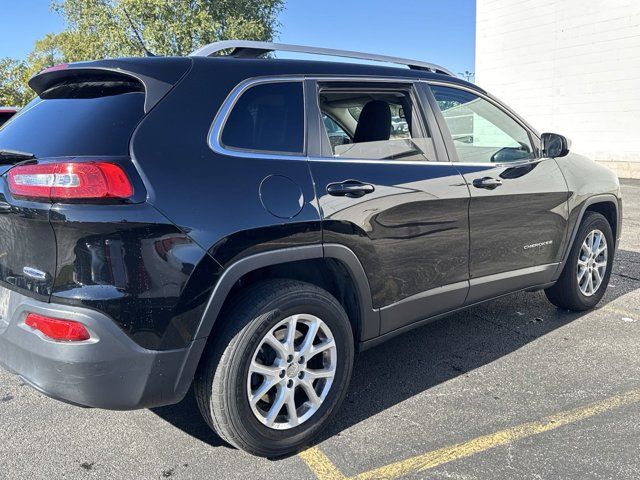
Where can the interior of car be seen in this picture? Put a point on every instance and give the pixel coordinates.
(378, 124)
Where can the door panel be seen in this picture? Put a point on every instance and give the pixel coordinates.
(410, 234)
(407, 220)
(518, 210)
(519, 223)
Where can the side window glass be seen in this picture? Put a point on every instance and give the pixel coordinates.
(337, 134)
(377, 124)
(481, 131)
(268, 117)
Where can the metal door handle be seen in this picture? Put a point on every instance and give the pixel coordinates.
(349, 188)
(487, 182)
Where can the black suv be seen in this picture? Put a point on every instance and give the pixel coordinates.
(246, 224)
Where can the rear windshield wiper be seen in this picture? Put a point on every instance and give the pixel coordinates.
(14, 156)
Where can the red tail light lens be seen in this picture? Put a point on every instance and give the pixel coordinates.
(70, 181)
(56, 329)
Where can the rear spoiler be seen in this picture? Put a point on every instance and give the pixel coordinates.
(157, 75)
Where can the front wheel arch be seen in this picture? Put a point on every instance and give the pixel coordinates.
(608, 203)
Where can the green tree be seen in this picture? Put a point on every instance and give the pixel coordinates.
(13, 82)
(98, 29)
(103, 28)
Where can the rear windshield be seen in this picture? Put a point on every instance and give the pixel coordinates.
(76, 121)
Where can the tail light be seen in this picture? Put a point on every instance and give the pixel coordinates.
(70, 181)
(57, 329)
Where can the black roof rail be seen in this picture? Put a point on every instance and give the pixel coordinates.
(252, 49)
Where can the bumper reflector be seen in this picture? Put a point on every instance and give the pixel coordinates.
(57, 329)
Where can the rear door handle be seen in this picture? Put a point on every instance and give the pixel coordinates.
(349, 188)
(487, 182)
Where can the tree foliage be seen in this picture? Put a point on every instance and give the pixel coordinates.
(98, 29)
(13, 82)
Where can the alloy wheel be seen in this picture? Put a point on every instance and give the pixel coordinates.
(592, 262)
(292, 371)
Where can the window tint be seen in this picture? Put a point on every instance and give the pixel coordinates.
(268, 117)
(373, 124)
(62, 126)
(481, 131)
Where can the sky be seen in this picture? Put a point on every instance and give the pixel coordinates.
(441, 32)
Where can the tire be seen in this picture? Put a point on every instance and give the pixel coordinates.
(566, 293)
(223, 382)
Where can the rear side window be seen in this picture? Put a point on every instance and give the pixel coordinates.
(268, 117)
(86, 118)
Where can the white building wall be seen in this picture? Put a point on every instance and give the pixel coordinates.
(570, 67)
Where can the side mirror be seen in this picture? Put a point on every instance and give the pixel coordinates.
(554, 145)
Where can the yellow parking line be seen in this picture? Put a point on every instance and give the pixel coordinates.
(324, 469)
(320, 465)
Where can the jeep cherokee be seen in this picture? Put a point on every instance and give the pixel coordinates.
(244, 224)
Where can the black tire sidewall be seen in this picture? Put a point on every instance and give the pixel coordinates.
(250, 429)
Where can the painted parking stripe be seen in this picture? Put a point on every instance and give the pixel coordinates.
(324, 469)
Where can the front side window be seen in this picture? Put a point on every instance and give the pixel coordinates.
(268, 117)
(371, 123)
(481, 131)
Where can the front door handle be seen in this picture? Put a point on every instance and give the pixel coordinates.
(349, 188)
(487, 182)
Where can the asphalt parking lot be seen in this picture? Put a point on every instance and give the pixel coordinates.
(512, 389)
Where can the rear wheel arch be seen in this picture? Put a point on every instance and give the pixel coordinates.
(334, 268)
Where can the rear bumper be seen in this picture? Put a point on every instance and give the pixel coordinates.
(108, 371)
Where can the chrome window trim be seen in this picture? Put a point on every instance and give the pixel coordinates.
(215, 131)
(214, 137)
(217, 127)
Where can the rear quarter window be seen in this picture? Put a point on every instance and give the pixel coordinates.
(267, 117)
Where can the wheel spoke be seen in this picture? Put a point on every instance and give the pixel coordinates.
(581, 274)
(264, 370)
(316, 349)
(291, 333)
(277, 406)
(598, 279)
(307, 344)
(291, 409)
(307, 386)
(267, 385)
(584, 251)
(597, 238)
(277, 345)
(313, 374)
(590, 284)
